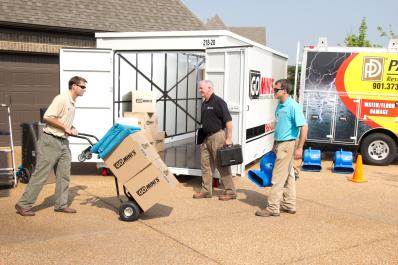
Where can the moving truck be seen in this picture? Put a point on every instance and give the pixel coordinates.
(350, 99)
(170, 64)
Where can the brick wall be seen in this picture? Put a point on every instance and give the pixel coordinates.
(42, 42)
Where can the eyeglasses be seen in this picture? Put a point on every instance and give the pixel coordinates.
(276, 90)
(82, 87)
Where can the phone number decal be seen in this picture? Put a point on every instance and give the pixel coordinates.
(385, 86)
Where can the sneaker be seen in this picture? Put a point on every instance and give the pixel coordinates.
(201, 195)
(266, 213)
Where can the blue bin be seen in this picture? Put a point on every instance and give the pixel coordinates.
(343, 162)
(311, 160)
(262, 178)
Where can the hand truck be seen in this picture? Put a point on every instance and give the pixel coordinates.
(129, 210)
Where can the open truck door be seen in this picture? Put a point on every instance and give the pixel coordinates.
(225, 68)
(94, 111)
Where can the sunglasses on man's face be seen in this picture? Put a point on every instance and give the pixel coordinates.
(276, 90)
(82, 87)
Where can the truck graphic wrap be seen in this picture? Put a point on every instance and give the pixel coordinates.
(350, 100)
(373, 78)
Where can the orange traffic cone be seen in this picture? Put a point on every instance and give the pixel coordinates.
(358, 173)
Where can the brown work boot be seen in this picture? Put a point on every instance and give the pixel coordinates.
(23, 211)
(201, 195)
(65, 210)
(266, 213)
(226, 196)
(285, 210)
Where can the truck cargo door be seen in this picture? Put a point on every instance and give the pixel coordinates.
(225, 67)
(319, 110)
(345, 123)
(94, 113)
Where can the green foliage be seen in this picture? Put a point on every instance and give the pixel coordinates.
(360, 40)
(291, 71)
(390, 34)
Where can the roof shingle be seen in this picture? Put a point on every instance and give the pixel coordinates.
(100, 15)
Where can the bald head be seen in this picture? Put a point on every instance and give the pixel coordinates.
(206, 89)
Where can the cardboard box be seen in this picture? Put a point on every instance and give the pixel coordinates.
(151, 122)
(148, 187)
(139, 116)
(149, 138)
(128, 121)
(158, 137)
(146, 121)
(143, 101)
(168, 176)
(131, 156)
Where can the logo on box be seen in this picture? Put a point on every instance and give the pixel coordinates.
(141, 191)
(118, 164)
(141, 100)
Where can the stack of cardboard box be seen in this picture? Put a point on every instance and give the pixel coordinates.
(144, 111)
(138, 167)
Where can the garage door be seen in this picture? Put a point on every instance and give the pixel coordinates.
(27, 83)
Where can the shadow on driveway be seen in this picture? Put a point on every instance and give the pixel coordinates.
(253, 198)
(49, 201)
(113, 204)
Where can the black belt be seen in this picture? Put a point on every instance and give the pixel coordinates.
(285, 141)
(211, 133)
(58, 137)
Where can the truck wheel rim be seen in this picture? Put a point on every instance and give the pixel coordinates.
(129, 211)
(378, 150)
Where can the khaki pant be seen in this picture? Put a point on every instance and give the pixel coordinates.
(53, 153)
(283, 191)
(209, 161)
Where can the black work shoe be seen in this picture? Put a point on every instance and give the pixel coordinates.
(23, 211)
(266, 213)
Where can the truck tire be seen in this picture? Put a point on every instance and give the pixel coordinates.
(378, 149)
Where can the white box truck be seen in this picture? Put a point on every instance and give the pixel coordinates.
(350, 99)
(170, 64)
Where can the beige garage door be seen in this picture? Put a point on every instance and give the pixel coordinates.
(27, 83)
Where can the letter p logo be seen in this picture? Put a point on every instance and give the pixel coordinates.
(372, 69)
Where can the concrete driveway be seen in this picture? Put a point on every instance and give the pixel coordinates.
(338, 222)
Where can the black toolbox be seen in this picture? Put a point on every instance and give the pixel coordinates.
(230, 155)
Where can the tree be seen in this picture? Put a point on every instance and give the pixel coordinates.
(359, 40)
(391, 34)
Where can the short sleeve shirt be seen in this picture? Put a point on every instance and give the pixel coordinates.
(289, 119)
(215, 114)
(62, 108)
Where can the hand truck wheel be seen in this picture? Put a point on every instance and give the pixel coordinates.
(129, 211)
(81, 157)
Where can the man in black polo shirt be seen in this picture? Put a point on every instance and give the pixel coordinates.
(217, 125)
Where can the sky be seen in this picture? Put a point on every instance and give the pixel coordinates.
(290, 21)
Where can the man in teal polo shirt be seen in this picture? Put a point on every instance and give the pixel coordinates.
(290, 124)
